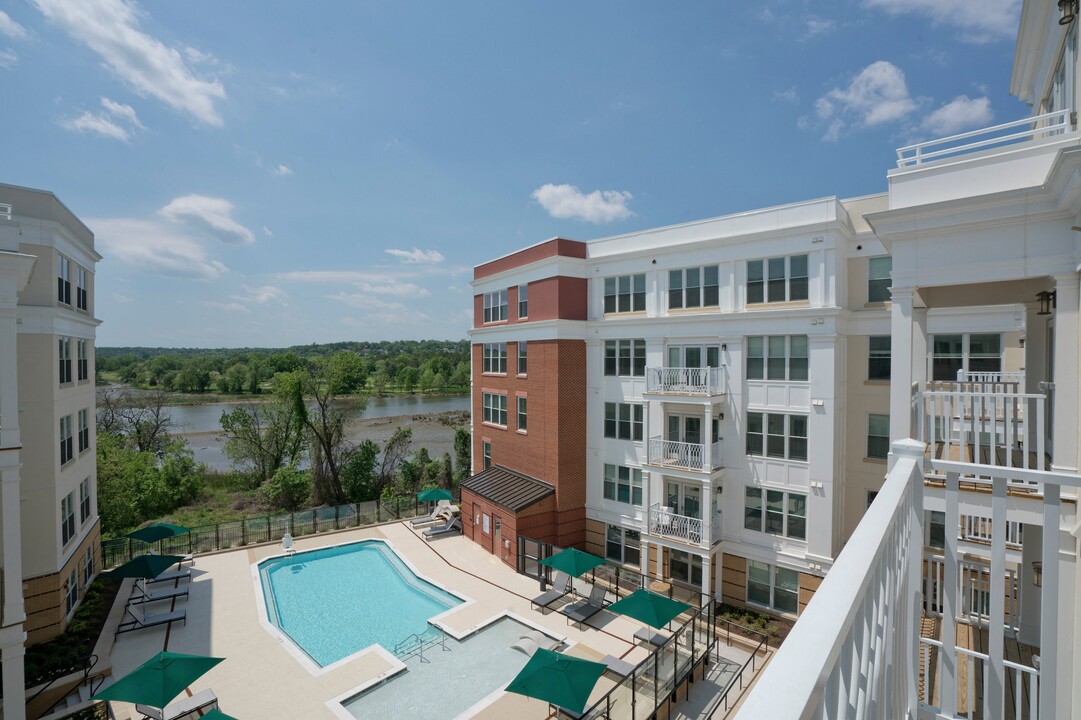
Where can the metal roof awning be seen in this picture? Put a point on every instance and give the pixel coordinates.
(508, 488)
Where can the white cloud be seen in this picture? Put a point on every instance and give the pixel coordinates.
(8, 58)
(94, 124)
(263, 295)
(213, 214)
(155, 247)
(110, 28)
(331, 276)
(568, 202)
(227, 307)
(417, 256)
(11, 28)
(789, 95)
(123, 298)
(960, 114)
(367, 302)
(990, 20)
(877, 94)
(398, 289)
(122, 111)
(281, 171)
(266, 231)
(818, 26)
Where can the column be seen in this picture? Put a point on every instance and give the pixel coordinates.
(12, 652)
(645, 555)
(707, 439)
(908, 329)
(1065, 395)
(705, 511)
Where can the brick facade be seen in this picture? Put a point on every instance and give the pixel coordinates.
(45, 595)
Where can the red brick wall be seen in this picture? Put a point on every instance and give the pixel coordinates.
(537, 522)
(558, 297)
(551, 248)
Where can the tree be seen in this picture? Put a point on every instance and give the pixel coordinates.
(358, 473)
(137, 485)
(289, 488)
(446, 473)
(394, 452)
(408, 378)
(142, 419)
(266, 437)
(463, 451)
(349, 371)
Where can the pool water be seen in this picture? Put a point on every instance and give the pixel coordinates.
(334, 602)
(447, 682)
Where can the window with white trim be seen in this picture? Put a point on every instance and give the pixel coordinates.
(495, 409)
(523, 363)
(84, 500)
(83, 359)
(878, 279)
(486, 451)
(625, 358)
(936, 530)
(685, 567)
(80, 288)
(521, 413)
(71, 591)
(623, 421)
(623, 484)
(625, 293)
(693, 287)
(772, 587)
(495, 306)
(84, 430)
(66, 451)
(65, 360)
(63, 280)
(879, 357)
(782, 279)
(777, 435)
(523, 301)
(878, 436)
(88, 565)
(623, 545)
(67, 518)
(494, 359)
(971, 352)
(784, 513)
(777, 357)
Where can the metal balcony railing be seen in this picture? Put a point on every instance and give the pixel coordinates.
(685, 456)
(665, 522)
(683, 381)
(1028, 129)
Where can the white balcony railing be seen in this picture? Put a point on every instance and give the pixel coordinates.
(5, 211)
(684, 381)
(977, 528)
(974, 590)
(665, 522)
(685, 456)
(1028, 129)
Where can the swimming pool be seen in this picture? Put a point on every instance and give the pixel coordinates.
(334, 602)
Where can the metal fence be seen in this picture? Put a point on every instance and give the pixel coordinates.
(264, 528)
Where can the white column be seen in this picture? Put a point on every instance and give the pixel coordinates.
(1066, 392)
(12, 652)
(705, 512)
(707, 439)
(707, 576)
(908, 329)
(948, 593)
(645, 554)
(1049, 607)
(995, 678)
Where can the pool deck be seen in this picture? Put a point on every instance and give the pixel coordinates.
(263, 678)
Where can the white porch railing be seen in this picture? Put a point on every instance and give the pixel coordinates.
(1028, 129)
(1008, 380)
(977, 528)
(5, 211)
(974, 589)
(685, 456)
(684, 381)
(971, 678)
(665, 522)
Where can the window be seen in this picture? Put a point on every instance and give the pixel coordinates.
(88, 565)
(878, 279)
(65, 360)
(623, 421)
(782, 279)
(83, 360)
(871, 495)
(495, 409)
(685, 567)
(626, 358)
(693, 287)
(936, 530)
(522, 364)
(486, 450)
(623, 484)
(772, 587)
(84, 430)
(495, 358)
(67, 518)
(63, 280)
(521, 413)
(878, 436)
(878, 357)
(785, 513)
(623, 545)
(626, 293)
(84, 501)
(495, 306)
(80, 288)
(783, 436)
(523, 301)
(777, 357)
(973, 353)
(487, 523)
(66, 453)
(71, 591)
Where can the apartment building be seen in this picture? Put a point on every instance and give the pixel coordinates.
(50, 529)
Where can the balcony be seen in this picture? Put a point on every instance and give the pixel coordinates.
(695, 382)
(666, 523)
(696, 457)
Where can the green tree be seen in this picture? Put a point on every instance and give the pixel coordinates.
(407, 377)
(358, 473)
(289, 488)
(135, 486)
(349, 372)
(265, 437)
(446, 473)
(463, 452)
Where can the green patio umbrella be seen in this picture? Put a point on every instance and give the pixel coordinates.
(558, 679)
(217, 714)
(650, 608)
(159, 680)
(573, 562)
(145, 566)
(158, 531)
(433, 495)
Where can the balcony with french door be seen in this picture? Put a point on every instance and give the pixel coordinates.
(681, 383)
(668, 523)
(685, 457)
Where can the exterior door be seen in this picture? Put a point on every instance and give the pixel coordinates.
(497, 537)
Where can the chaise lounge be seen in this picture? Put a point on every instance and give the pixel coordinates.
(560, 587)
(582, 611)
(451, 525)
(150, 620)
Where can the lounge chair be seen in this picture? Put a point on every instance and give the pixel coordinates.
(287, 544)
(530, 641)
(560, 587)
(439, 513)
(150, 620)
(174, 575)
(582, 611)
(618, 665)
(451, 525)
(194, 706)
(140, 596)
(649, 637)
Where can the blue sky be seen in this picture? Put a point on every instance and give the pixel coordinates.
(270, 173)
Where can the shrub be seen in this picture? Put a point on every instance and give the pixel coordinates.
(289, 488)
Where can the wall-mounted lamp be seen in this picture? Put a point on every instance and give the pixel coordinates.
(1047, 300)
(1037, 573)
(1069, 11)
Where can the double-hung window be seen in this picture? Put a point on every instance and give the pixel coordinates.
(878, 279)
(84, 500)
(623, 545)
(71, 591)
(625, 293)
(685, 567)
(777, 435)
(84, 430)
(976, 352)
(777, 357)
(523, 365)
(65, 360)
(495, 358)
(63, 280)
(495, 409)
(521, 413)
(88, 565)
(772, 587)
(67, 518)
(80, 288)
(523, 301)
(486, 451)
(623, 484)
(878, 436)
(495, 306)
(625, 358)
(878, 357)
(775, 280)
(784, 513)
(623, 421)
(66, 453)
(693, 287)
(83, 359)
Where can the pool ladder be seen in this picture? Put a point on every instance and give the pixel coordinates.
(415, 644)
